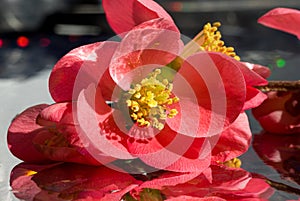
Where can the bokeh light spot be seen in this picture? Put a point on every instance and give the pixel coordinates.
(1, 43)
(280, 63)
(22, 41)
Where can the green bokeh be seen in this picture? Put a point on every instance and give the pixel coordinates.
(280, 63)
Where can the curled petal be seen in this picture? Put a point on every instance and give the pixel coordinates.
(21, 133)
(284, 19)
(123, 16)
(89, 62)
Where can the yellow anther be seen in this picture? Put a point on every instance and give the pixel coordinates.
(217, 24)
(172, 113)
(137, 95)
(233, 163)
(30, 172)
(149, 101)
(134, 116)
(175, 99)
(210, 40)
(128, 103)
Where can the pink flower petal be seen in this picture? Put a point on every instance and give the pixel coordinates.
(284, 19)
(21, 133)
(150, 45)
(251, 74)
(172, 151)
(123, 16)
(205, 81)
(279, 114)
(263, 71)
(234, 141)
(56, 113)
(80, 67)
(254, 98)
(60, 141)
(98, 129)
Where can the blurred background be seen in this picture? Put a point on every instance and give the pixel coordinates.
(35, 33)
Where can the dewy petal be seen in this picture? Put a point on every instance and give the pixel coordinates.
(284, 19)
(21, 133)
(234, 141)
(205, 81)
(122, 16)
(153, 43)
(89, 61)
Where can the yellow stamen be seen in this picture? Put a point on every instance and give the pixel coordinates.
(150, 101)
(209, 39)
(30, 172)
(233, 163)
(212, 41)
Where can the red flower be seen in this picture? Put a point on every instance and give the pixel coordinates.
(284, 19)
(70, 182)
(146, 98)
(44, 133)
(280, 113)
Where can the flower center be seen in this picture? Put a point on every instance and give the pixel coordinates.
(150, 101)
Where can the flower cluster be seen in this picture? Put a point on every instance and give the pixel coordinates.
(178, 111)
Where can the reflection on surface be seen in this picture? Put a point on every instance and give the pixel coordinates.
(281, 152)
(67, 181)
